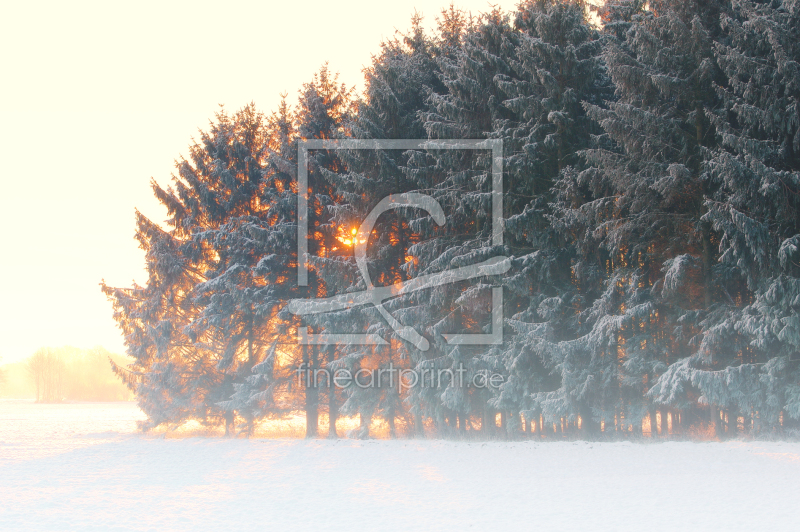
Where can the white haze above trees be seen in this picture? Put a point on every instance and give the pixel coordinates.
(651, 179)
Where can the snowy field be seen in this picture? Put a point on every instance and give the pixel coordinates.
(82, 467)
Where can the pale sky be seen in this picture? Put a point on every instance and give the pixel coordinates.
(98, 97)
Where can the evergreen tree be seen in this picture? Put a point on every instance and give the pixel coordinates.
(400, 79)
(267, 389)
(178, 327)
(557, 67)
(650, 210)
(746, 362)
(644, 259)
(323, 109)
(461, 182)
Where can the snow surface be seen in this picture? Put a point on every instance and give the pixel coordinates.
(82, 467)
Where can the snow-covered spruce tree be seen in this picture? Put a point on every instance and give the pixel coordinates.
(644, 264)
(228, 323)
(747, 361)
(324, 108)
(275, 385)
(152, 321)
(616, 16)
(183, 368)
(557, 66)
(398, 82)
(270, 241)
(460, 180)
(249, 282)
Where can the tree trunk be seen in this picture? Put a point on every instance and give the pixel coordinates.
(653, 422)
(664, 425)
(487, 423)
(230, 425)
(733, 423)
(333, 407)
(390, 420)
(419, 428)
(787, 423)
(311, 392)
(364, 423)
(713, 415)
(636, 429)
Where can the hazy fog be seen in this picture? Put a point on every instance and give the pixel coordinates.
(65, 374)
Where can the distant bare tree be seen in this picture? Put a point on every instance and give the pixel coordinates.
(46, 369)
(34, 366)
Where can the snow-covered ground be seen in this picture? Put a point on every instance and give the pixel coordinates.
(82, 467)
